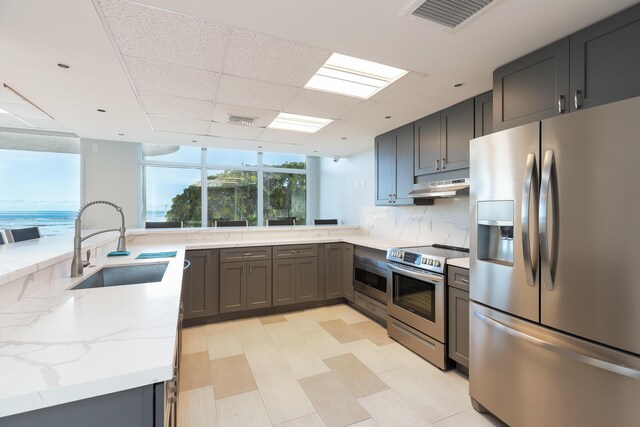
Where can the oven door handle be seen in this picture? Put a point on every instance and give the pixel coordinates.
(425, 277)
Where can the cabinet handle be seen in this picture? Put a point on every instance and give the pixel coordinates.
(438, 164)
(395, 198)
(250, 268)
(444, 163)
(247, 254)
(465, 281)
(561, 104)
(577, 99)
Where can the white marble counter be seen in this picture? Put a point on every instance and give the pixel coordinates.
(459, 262)
(59, 345)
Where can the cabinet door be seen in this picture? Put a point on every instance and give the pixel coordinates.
(232, 287)
(332, 270)
(200, 284)
(284, 281)
(347, 271)
(532, 87)
(605, 64)
(456, 130)
(307, 279)
(459, 326)
(484, 114)
(404, 165)
(258, 284)
(385, 168)
(427, 145)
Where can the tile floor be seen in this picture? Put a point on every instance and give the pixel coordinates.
(328, 366)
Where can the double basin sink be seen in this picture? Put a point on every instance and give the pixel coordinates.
(124, 275)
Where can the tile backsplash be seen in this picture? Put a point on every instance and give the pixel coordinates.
(446, 222)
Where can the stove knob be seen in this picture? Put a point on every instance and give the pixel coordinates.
(424, 260)
(430, 261)
(436, 263)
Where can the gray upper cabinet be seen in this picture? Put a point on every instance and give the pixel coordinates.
(200, 284)
(605, 63)
(456, 130)
(245, 285)
(484, 114)
(531, 88)
(347, 271)
(442, 139)
(333, 270)
(394, 167)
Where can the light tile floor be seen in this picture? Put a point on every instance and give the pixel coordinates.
(328, 366)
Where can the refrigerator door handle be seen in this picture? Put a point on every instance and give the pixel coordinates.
(529, 188)
(583, 358)
(548, 255)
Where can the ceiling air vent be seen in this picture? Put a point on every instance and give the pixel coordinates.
(450, 13)
(241, 121)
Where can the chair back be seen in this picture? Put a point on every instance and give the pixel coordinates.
(231, 223)
(21, 234)
(1, 238)
(166, 224)
(280, 222)
(325, 222)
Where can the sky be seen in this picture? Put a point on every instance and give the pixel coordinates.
(32, 180)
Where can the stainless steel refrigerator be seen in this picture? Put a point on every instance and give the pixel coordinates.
(555, 270)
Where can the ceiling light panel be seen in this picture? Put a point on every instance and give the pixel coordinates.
(175, 106)
(221, 113)
(322, 104)
(355, 77)
(254, 93)
(160, 35)
(270, 59)
(298, 123)
(176, 125)
(169, 79)
(226, 130)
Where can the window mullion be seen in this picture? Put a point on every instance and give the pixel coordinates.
(204, 196)
(260, 191)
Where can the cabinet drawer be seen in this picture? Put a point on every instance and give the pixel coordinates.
(458, 278)
(372, 306)
(295, 251)
(245, 254)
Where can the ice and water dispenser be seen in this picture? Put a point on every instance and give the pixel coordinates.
(495, 231)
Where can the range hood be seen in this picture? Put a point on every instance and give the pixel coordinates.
(440, 189)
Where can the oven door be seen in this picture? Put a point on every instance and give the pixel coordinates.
(370, 278)
(417, 298)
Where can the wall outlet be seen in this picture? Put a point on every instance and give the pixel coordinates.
(95, 147)
(363, 183)
(355, 184)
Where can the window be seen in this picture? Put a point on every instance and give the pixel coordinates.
(39, 188)
(233, 179)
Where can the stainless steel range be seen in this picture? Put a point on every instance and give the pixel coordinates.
(417, 299)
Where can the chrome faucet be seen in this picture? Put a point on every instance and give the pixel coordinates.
(77, 265)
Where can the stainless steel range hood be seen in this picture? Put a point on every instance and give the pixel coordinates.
(440, 189)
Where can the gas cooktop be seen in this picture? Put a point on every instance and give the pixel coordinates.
(431, 258)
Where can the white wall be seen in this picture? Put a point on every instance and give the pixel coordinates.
(110, 172)
(446, 222)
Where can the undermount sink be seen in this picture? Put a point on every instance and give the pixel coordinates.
(124, 275)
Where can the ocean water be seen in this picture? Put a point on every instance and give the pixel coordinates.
(50, 222)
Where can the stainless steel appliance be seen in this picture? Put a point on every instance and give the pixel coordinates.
(370, 281)
(555, 276)
(417, 299)
(440, 189)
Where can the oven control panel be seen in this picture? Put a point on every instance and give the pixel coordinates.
(419, 260)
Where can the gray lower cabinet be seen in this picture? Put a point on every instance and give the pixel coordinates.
(295, 274)
(245, 285)
(284, 281)
(200, 284)
(531, 88)
(347, 271)
(307, 288)
(458, 286)
(333, 287)
(605, 64)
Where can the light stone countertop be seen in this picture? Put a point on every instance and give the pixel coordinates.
(459, 262)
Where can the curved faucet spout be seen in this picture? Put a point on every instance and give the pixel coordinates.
(76, 263)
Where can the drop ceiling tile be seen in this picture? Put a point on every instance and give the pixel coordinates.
(321, 104)
(271, 59)
(262, 117)
(168, 79)
(165, 36)
(283, 136)
(254, 93)
(176, 125)
(175, 106)
(226, 130)
(23, 110)
(11, 122)
(398, 86)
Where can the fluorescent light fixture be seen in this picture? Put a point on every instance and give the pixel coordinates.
(298, 123)
(355, 77)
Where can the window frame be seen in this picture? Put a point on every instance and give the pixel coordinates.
(204, 167)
